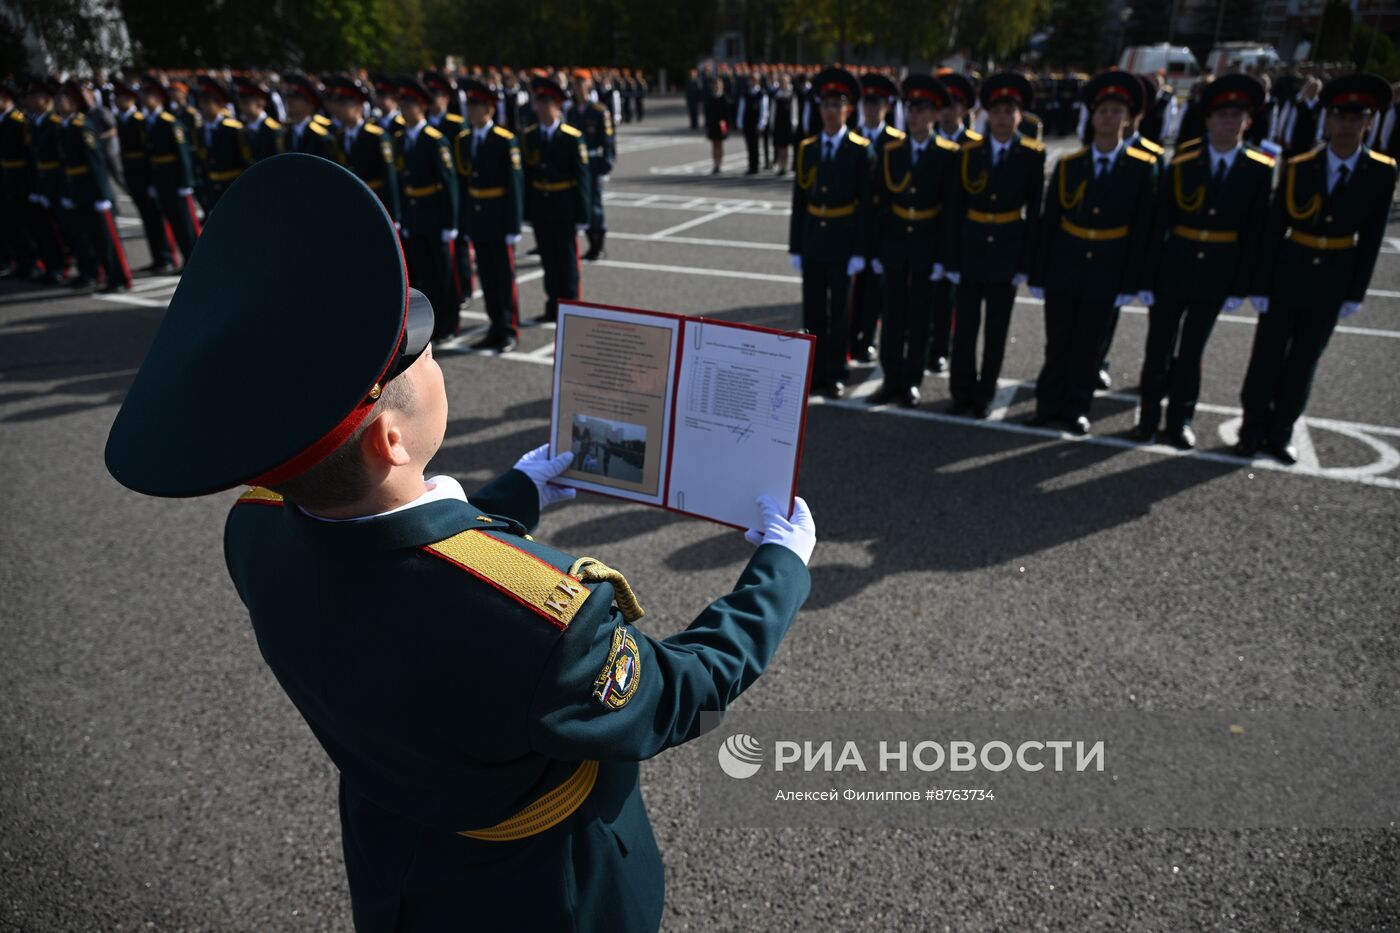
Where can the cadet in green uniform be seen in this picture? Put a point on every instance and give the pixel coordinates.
(594, 121)
(1211, 212)
(442, 91)
(87, 202)
(428, 202)
(136, 173)
(363, 147)
(47, 184)
(491, 186)
(1001, 180)
(1324, 234)
(558, 192)
(831, 229)
(14, 182)
(914, 179)
(878, 95)
(305, 132)
(266, 136)
(1093, 244)
(952, 126)
(221, 145)
(486, 698)
(172, 176)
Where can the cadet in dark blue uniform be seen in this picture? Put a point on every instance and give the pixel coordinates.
(441, 116)
(878, 94)
(306, 131)
(266, 136)
(221, 145)
(363, 147)
(594, 121)
(492, 199)
(136, 175)
(428, 201)
(87, 201)
(1001, 180)
(1093, 245)
(914, 178)
(558, 192)
(485, 697)
(831, 229)
(952, 125)
(1319, 252)
(1212, 207)
(44, 183)
(172, 175)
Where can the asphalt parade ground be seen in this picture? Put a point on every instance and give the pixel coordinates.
(154, 777)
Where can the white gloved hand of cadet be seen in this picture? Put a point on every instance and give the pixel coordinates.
(937, 274)
(1261, 303)
(1349, 308)
(1121, 300)
(1037, 292)
(796, 261)
(797, 533)
(541, 468)
(1146, 298)
(512, 239)
(1018, 280)
(1231, 304)
(855, 266)
(877, 267)
(954, 277)
(449, 235)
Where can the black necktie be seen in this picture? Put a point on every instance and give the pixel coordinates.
(1343, 173)
(1103, 168)
(999, 158)
(1219, 171)
(830, 148)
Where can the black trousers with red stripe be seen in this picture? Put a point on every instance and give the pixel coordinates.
(559, 256)
(430, 271)
(92, 235)
(495, 261)
(159, 237)
(180, 212)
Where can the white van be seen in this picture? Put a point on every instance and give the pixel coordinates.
(1176, 61)
(1241, 56)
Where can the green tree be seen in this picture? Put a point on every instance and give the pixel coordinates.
(1334, 37)
(1372, 50)
(1078, 39)
(997, 29)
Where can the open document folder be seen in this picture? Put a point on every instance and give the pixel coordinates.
(694, 415)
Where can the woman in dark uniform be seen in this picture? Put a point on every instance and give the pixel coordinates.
(717, 110)
(781, 118)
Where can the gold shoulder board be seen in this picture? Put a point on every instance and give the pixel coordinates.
(536, 585)
(1261, 157)
(571, 130)
(1034, 145)
(259, 495)
(1380, 157)
(858, 139)
(1142, 155)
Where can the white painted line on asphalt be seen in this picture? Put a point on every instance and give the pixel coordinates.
(1251, 320)
(1302, 439)
(697, 221)
(1001, 401)
(695, 270)
(700, 241)
(1381, 293)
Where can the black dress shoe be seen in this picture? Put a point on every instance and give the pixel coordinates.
(1079, 426)
(863, 353)
(1182, 438)
(1245, 447)
(506, 346)
(883, 395)
(1143, 433)
(938, 364)
(981, 411)
(960, 406)
(81, 281)
(834, 389)
(164, 268)
(547, 318)
(1040, 419)
(112, 288)
(1284, 453)
(909, 398)
(486, 343)
(1105, 381)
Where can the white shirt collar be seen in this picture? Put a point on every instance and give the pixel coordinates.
(485, 128)
(1228, 157)
(921, 146)
(415, 129)
(301, 127)
(834, 140)
(998, 148)
(550, 130)
(873, 132)
(1335, 161)
(262, 118)
(443, 488)
(1111, 156)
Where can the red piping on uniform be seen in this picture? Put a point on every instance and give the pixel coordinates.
(117, 246)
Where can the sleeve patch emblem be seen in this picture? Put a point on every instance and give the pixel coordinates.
(617, 681)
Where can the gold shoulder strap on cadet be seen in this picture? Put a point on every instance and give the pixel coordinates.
(259, 495)
(536, 585)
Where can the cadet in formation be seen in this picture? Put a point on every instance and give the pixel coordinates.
(558, 193)
(87, 198)
(171, 170)
(508, 799)
(267, 137)
(428, 204)
(362, 145)
(595, 124)
(221, 148)
(952, 126)
(878, 95)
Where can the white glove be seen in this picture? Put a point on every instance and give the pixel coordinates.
(184, 192)
(1261, 304)
(855, 265)
(580, 228)
(66, 203)
(39, 199)
(797, 533)
(796, 261)
(1121, 300)
(101, 206)
(954, 277)
(541, 468)
(512, 239)
(1146, 298)
(449, 235)
(1349, 308)
(877, 267)
(151, 191)
(1231, 304)
(1037, 292)
(1018, 280)
(938, 273)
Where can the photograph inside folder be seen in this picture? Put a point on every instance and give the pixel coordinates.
(695, 415)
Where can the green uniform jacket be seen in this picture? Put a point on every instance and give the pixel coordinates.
(168, 150)
(225, 158)
(832, 215)
(595, 123)
(449, 702)
(427, 183)
(492, 185)
(1117, 209)
(559, 184)
(136, 166)
(911, 202)
(14, 155)
(371, 158)
(267, 139)
(1206, 244)
(989, 246)
(1356, 213)
(84, 163)
(48, 179)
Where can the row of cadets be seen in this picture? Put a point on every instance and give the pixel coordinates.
(221, 146)
(362, 145)
(558, 193)
(830, 229)
(914, 179)
(952, 126)
(595, 122)
(428, 204)
(878, 94)
(86, 201)
(492, 204)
